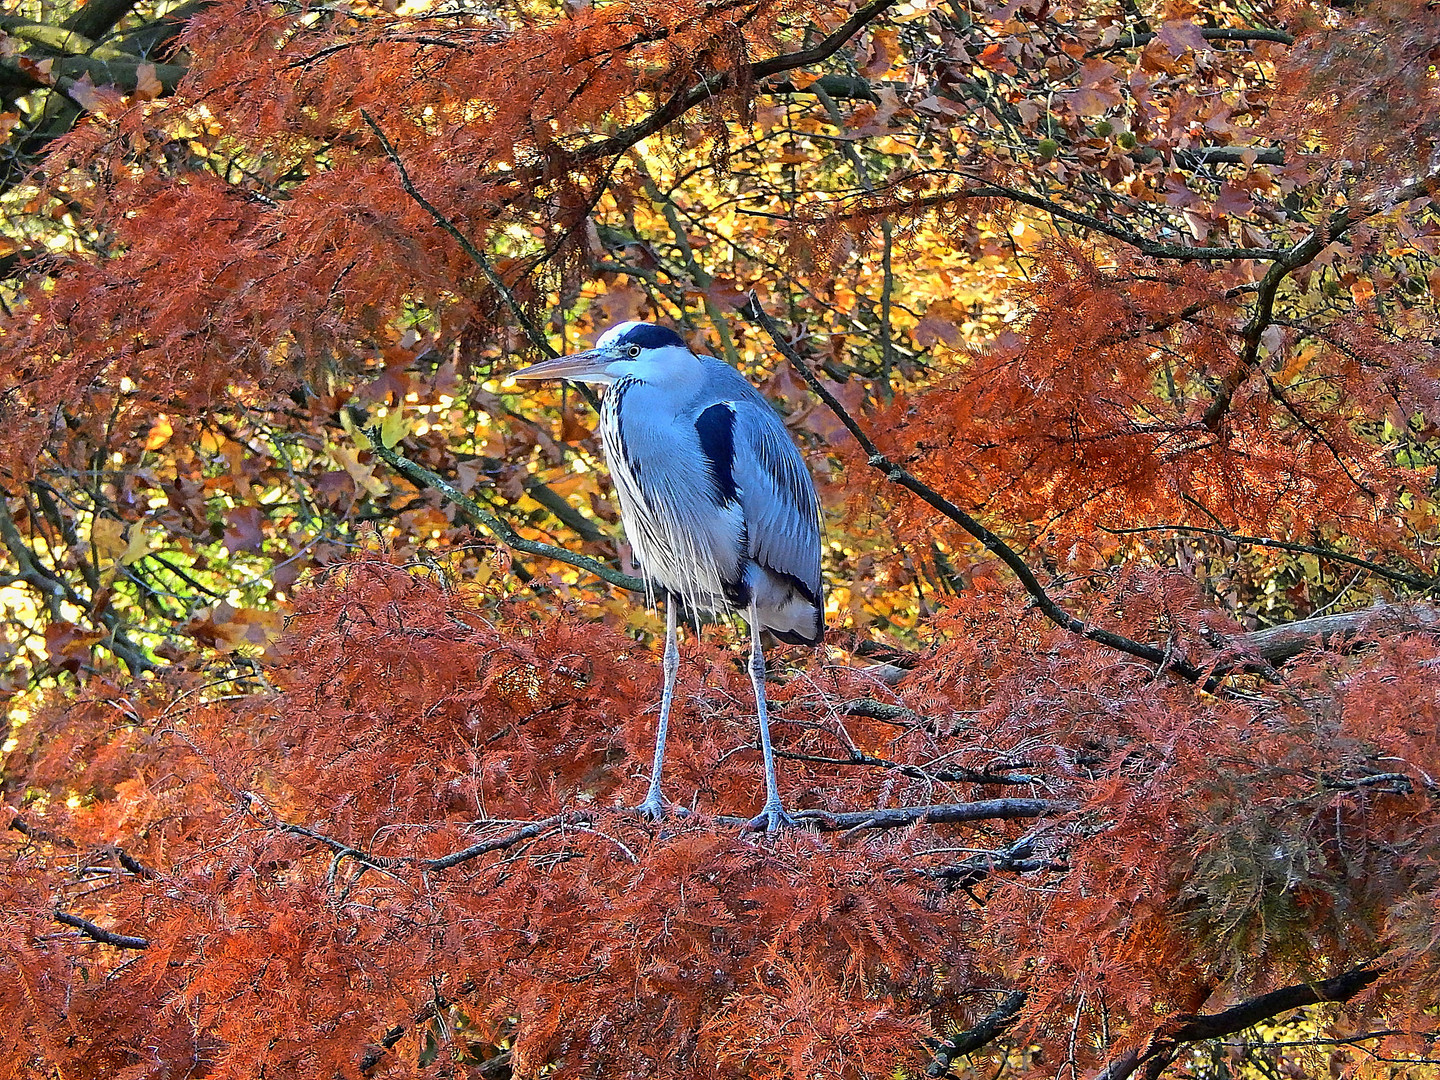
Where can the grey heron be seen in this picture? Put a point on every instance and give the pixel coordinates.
(715, 500)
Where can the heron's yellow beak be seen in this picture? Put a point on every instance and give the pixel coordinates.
(587, 366)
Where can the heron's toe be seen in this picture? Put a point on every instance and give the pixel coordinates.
(656, 809)
(771, 819)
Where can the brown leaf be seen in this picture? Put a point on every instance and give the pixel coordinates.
(1233, 200)
(243, 529)
(941, 322)
(1181, 34)
(884, 50)
(93, 98)
(147, 86)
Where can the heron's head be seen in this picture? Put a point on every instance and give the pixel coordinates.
(641, 350)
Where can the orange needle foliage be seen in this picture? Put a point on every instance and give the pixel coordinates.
(1110, 334)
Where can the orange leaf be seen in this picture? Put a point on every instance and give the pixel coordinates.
(160, 433)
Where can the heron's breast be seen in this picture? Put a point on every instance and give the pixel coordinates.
(682, 539)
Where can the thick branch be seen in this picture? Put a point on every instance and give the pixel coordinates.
(155, 36)
(99, 933)
(1132, 41)
(56, 38)
(850, 87)
(897, 475)
(1277, 644)
(879, 710)
(1249, 1013)
(990, 1028)
(896, 817)
(123, 73)
(1161, 1049)
(98, 16)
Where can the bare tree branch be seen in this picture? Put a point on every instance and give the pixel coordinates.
(1165, 1044)
(990, 1028)
(896, 817)
(1301, 254)
(528, 831)
(99, 933)
(916, 772)
(1277, 644)
(1415, 581)
(685, 100)
(1223, 33)
(897, 475)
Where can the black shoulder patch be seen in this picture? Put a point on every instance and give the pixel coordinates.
(716, 428)
(650, 336)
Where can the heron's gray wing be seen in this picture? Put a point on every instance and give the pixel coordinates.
(782, 512)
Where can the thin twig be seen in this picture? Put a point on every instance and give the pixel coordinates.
(476, 515)
(534, 333)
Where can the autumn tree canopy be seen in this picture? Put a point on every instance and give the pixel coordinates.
(1109, 331)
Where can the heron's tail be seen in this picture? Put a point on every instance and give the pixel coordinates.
(787, 607)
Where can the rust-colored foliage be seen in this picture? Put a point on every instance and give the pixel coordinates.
(1110, 334)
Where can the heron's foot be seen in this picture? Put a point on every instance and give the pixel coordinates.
(771, 819)
(657, 809)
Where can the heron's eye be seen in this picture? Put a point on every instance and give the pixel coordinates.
(633, 351)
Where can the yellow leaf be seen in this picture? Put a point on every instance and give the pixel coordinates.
(137, 545)
(395, 428)
(361, 439)
(363, 475)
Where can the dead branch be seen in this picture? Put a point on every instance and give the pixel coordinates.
(99, 933)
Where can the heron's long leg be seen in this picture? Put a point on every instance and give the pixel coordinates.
(654, 805)
(773, 815)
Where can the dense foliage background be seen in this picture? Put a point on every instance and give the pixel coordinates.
(1110, 333)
